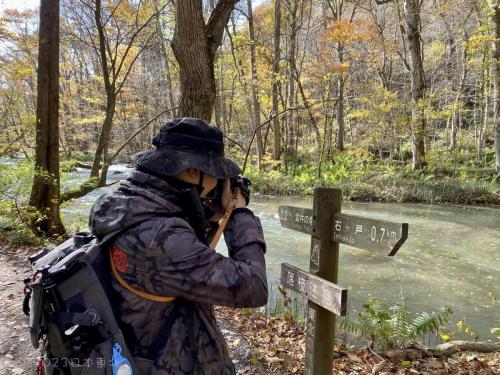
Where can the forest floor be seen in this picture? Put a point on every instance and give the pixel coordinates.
(258, 344)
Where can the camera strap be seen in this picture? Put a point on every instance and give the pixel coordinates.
(223, 222)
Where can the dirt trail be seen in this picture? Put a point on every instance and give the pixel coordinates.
(18, 357)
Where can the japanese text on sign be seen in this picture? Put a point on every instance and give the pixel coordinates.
(296, 218)
(322, 292)
(369, 234)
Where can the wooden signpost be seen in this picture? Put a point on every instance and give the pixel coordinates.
(328, 228)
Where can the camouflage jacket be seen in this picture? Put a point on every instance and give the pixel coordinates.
(156, 250)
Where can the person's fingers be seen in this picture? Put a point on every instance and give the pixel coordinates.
(228, 195)
(241, 201)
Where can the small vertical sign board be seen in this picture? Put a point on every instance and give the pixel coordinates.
(328, 228)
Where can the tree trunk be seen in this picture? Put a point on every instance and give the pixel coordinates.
(45, 192)
(105, 131)
(482, 129)
(496, 78)
(276, 72)
(291, 81)
(164, 50)
(171, 100)
(455, 120)
(241, 79)
(105, 139)
(312, 120)
(340, 103)
(255, 87)
(218, 101)
(329, 123)
(412, 20)
(194, 45)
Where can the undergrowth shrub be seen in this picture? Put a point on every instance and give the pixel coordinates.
(392, 327)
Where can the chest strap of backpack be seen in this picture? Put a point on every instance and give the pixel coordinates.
(140, 293)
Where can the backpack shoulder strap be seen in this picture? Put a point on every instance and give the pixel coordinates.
(140, 293)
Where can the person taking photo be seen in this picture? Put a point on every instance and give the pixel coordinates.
(158, 225)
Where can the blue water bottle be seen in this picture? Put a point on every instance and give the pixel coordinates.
(121, 365)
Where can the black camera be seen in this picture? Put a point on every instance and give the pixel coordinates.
(215, 197)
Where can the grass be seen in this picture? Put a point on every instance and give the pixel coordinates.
(386, 189)
(458, 181)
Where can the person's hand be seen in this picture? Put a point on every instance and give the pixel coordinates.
(228, 195)
(217, 210)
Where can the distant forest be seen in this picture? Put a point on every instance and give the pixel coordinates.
(406, 80)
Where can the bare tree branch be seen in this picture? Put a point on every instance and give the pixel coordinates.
(134, 36)
(217, 22)
(298, 108)
(129, 139)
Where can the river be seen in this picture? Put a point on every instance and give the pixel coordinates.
(451, 257)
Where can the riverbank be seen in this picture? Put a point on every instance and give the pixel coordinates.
(390, 188)
(387, 181)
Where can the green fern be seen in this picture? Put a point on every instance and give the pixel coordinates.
(393, 327)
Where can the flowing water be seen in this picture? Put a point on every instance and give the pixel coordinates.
(451, 257)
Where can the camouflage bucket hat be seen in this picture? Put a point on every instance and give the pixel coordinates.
(188, 143)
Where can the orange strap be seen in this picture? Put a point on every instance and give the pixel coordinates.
(223, 223)
(140, 293)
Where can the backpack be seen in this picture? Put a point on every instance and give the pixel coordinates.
(71, 319)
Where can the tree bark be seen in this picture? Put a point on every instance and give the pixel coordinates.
(496, 78)
(482, 129)
(455, 120)
(255, 87)
(290, 135)
(218, 101)
(194, 45)
(101, 153)
(105, 139)
(312, 120)
(340, 103)
(45, 190)
(164, 49)
(276, 72)
(411, 9)
(241, 78)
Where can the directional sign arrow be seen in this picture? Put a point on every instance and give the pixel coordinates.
(322, 292)
(369, 234)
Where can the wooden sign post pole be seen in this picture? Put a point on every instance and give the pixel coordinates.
(329, 228)
(324, 261)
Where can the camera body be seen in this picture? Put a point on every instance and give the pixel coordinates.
(215, 197)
